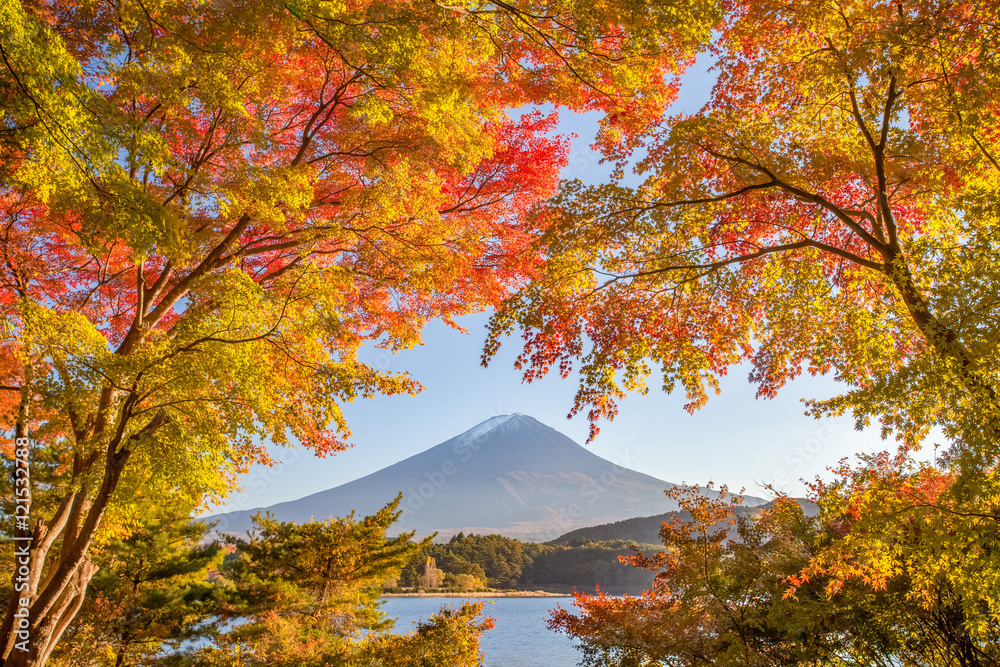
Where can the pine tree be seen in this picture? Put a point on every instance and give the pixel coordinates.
(153, 591)
(303, 594)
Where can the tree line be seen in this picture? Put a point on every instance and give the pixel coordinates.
(484, 562)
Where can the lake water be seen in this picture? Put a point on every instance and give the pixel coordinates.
(520, 638)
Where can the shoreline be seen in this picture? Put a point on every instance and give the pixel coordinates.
(480, 594)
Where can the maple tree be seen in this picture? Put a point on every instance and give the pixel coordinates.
(721, 597)
(209, 206)
(898, 520)
(835, 211)
(830, 210)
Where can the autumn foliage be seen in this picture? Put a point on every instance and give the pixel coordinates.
(829, 210)
(758, 586)
(207, 207)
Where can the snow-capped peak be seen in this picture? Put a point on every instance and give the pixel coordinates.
(485, 427)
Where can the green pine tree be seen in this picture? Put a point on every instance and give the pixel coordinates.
(152, 593)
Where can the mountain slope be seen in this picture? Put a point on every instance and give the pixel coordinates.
(646, 529)
(510, 475)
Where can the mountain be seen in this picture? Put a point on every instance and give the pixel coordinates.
(646, 529)
(510, 475)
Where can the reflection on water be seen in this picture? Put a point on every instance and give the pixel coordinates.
(520, 638)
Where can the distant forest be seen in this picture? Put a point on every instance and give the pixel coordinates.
(480, 562)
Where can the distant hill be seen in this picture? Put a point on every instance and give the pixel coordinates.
(510, 475)
(646, 529)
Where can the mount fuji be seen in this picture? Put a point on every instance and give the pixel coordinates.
(510, 475)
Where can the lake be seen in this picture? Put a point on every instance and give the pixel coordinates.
(520, 638)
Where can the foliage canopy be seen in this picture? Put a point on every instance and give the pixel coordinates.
(207, 207)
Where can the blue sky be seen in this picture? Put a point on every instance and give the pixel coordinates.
(736, 439)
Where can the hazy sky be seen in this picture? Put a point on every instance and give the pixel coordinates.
(736, 439)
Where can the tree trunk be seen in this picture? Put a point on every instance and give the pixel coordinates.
(54, 604)
(54, 598)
